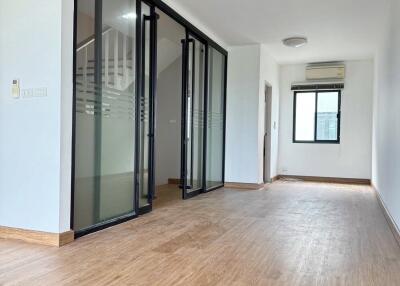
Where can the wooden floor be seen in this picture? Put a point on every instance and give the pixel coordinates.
(290, 233)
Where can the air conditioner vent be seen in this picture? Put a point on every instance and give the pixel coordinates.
(325, 72)
(317, 86)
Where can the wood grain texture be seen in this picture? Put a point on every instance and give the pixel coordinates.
(289, 233)
(39, 237)
(174, 181)
(328, 180)
(274, 179)
(244, 186)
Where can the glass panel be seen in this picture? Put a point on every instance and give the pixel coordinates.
(104, 159)
(215, 118)
(327, 115)
(169, 99)
(195, 114)
(144, 199)
(305, 116)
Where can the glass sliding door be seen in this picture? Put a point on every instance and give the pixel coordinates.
(104, 112)
(115, 79)
(193, 116)
(215, 119)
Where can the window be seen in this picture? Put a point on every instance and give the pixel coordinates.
(316, 116)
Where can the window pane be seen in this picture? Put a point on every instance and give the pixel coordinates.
(305, 116)
(327, 119)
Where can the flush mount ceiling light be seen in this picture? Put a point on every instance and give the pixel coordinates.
(129, 16)
(295, 42)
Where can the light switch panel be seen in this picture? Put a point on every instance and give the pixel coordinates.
(26, 93)
(15, 91)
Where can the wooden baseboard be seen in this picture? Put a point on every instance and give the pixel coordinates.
(173, 181)
(392, 224)
(274, 179)
(328, 179)
(38, 237)
(245, 186)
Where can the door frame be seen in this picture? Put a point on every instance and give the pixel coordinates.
(190, 37)
(267, 140)
(197, 33)
(140, 62)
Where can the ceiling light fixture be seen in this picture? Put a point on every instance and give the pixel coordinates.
(129, 16)
(295, 42)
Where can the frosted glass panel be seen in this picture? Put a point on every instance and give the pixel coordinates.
(105, 104)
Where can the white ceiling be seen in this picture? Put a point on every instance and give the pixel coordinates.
(336, 29)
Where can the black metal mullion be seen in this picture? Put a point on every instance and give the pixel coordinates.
(209, 102)
(73, 141)
(138, 93)
(192, 111)
(147, 132)
(153, 93)
(316, 116)
(98, 65)
(142, 105)
(224, 116)
(183, 119)
(205, 114)
(339, 115)
(294, 116)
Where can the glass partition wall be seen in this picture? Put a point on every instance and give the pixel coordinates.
(104, 113)
(115, 94)
(216, 119)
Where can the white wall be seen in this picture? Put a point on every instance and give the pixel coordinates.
(349, 159)
(269, 73)
(249, 67)
(174, 4)
(30, 128)
(242, 115)
(386, 131)
(67, 33)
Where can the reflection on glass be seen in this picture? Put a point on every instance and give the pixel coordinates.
(305, 116)
(104, 159)
(215, 119)
(327, 116)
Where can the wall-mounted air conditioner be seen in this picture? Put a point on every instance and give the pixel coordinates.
(324, 72)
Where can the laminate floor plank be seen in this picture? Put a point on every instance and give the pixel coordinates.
(289, 233)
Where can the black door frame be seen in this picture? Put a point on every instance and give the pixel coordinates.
(141, 61)
(191, 39)
(194, 32)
